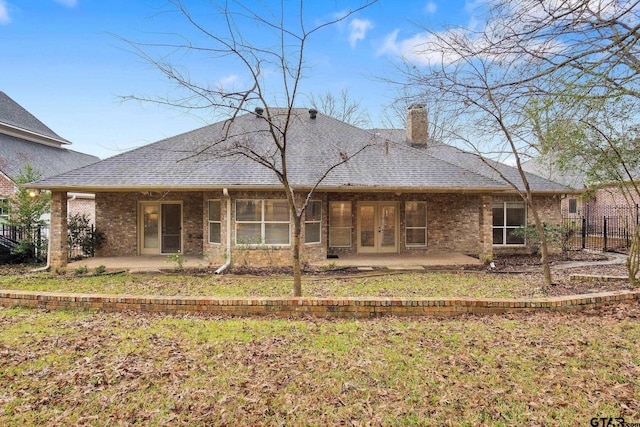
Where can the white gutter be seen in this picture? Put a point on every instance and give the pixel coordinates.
(226, 264)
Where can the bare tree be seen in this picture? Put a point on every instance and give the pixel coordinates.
(589, 49)
(342, 107)
(272, 69)
(488, 117)
(527, 55)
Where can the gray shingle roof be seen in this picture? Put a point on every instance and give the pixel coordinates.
(12, 114)
(387, 163)
(15, 153)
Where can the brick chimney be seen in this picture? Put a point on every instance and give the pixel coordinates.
(417, 126)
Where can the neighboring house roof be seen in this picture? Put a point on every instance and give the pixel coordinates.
(26, 140)
(546, 168)
(201, 159)
(14, 117)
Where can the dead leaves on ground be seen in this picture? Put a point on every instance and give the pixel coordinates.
(78, 368)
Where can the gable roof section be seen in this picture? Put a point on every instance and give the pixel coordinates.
(15, 153)
(16, 121)
(386, 164)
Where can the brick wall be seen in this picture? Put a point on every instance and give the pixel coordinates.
(117, 216)
(320, 307)
(83, 206)
(7, 188)
(549, 210)
(58, 231)
(455, 223)
(261, 256)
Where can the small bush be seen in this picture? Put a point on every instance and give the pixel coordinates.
(61, 271)
(100, 269)
(79, 271)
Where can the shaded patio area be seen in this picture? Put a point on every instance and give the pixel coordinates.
(393, 262)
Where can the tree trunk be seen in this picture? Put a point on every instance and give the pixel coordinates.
(633, 260)
(544, 248)
(297, 269)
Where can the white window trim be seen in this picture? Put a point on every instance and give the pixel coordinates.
(505, 227)
(319, 222)
(416, 245)
(262, 223)
(350, 228)
(209, 222)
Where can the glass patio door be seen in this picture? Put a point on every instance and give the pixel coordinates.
(161, 228)
(378, 227)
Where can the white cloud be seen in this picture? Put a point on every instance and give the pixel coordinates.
(431, 8)
(226, 83)
(68, 3)
(415, 49)
(358, 30)
(4, 13)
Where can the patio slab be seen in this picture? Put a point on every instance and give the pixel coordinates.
(155, 263)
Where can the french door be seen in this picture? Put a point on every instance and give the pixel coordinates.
(378, 227)
(161, 228)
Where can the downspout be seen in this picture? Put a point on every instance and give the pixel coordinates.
(226, 264)
(48, 265)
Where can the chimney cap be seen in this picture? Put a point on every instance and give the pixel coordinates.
(313, 113)
(259, 111)
(416, 107)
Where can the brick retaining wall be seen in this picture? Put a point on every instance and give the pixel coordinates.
(320, 307)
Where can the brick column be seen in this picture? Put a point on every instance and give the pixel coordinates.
(486, 228)
(58, 230)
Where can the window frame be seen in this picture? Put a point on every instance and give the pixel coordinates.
(314, 222)
(572, 205)
(505, 227)
(407, 227)
(350, 227)
(210, 221)
(263, 223)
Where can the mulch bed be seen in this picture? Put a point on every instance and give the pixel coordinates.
(563, 284)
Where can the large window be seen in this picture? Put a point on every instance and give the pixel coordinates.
(416, 223)
(507, 217)
(340, 224)
(313, 222)
(215, 224)
(262, 222)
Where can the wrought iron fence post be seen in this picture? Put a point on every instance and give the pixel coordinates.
(584, 232)
(604, 233)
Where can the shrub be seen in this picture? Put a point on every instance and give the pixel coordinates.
(83, 236)
(79, 271)
(556, 235)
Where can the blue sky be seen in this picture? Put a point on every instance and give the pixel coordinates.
(65, 62)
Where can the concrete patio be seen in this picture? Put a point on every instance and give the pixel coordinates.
(365, 261)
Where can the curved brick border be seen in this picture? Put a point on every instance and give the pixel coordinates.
(320, 307)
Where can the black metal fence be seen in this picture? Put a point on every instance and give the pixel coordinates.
(11, 236)
(602, 228)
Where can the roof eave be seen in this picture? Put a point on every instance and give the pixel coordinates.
(340, 189)
(21, 133)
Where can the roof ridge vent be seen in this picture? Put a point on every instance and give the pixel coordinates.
(259, 111)
(313, 113)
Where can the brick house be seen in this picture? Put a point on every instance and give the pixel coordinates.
(402, 194)
(26, 140)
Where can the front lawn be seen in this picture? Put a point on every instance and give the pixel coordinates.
(81, 368)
